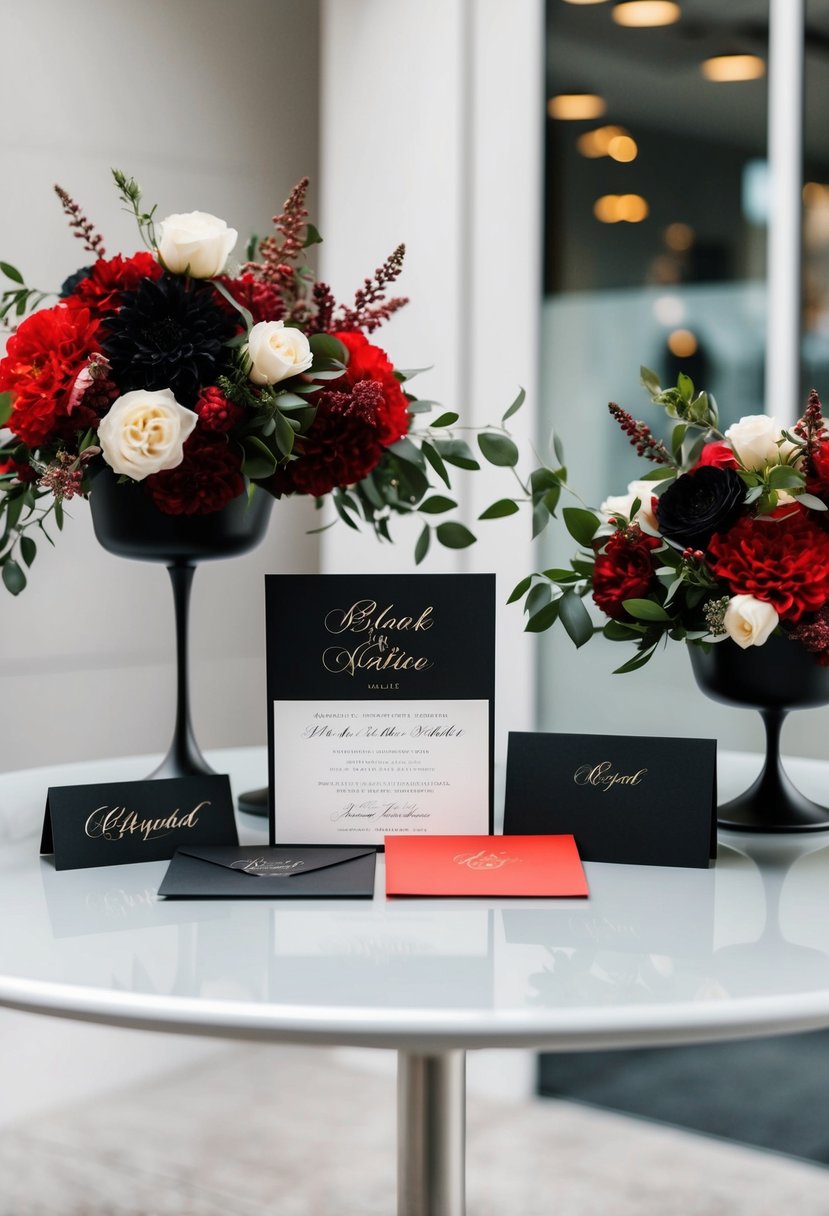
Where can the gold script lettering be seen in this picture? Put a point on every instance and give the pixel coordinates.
(602, 776)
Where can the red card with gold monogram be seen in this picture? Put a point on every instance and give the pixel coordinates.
(484, 865)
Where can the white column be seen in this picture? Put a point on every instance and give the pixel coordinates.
(785, 123)
(431, 133)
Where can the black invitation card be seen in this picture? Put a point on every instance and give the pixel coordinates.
(646, 801)
(380, 698)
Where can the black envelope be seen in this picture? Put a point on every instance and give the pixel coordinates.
(257, 872)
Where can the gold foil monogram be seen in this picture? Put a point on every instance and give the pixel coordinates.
(603, 776)
(375, 651)
(483, 860)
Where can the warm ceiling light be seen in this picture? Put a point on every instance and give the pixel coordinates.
(638, 14)
(623, 149)
(576, 105)
(815, 194)
(620, 208)
(733, 67)
(682, 343)
(593, 144)
(678, 237)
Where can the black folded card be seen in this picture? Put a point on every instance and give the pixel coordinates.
(257, 872)
(645, 801)
(127, 821)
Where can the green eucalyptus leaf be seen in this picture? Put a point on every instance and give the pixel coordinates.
(11, 272)
(543, 479)
(446, 419)
(14, 579)
(575, 618)
(500, 509)
(582, 525)
(436, 462)
(498, 449)
(638, 660)
(28, 549)
(516, 405)
(284, 435)
(544, 618)
(541, 517)
(650, 380)
(326, 346)
(404, 449)
(809, 500)
(645, 610)
(456, 452)
(520, 589)
(437, 504)
(540, 594)
(454, 535)
(422, 546)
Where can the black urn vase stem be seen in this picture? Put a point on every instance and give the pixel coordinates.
(183, 757)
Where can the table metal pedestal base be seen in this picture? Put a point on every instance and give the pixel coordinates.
(431, 1134)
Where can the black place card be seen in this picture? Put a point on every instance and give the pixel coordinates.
(257, 872)
(645, 801)
(381, 706)
(127, 821)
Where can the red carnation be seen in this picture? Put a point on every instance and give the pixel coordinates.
(208, 478)
(369, 362)
(817, 481)
(782, 559)
(260, 299)
(43, 359)
(624, 571)
(717, 455)
(342, 446)
(216, 412)
(100, 291)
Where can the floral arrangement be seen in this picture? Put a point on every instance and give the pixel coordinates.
(725, 538)
(198, 378)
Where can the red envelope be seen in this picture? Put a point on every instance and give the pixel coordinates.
(484, 865)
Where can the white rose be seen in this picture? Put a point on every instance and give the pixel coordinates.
(757, 441)
(621, 504)
(277, 351)
(748, 621)
(144, 432)
(196, 242)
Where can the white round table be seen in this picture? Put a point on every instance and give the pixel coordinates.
(654, 956)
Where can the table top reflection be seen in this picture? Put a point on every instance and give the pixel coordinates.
(655, 955)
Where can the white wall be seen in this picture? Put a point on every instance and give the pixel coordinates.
(206, 105)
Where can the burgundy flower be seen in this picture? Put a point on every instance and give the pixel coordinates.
(208, 478)
(624, 571)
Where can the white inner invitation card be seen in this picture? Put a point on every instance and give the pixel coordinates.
(380, 690)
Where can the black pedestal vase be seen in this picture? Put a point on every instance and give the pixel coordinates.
(774, 678)
(128, 524)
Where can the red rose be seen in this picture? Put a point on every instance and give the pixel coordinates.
(43, 359)
(209, 476)
(718, 455)
(624, 571)
(782, 559)
(369, 362)
(100, 291)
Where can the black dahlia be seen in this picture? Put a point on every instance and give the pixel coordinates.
(169, 333)
(699, 504)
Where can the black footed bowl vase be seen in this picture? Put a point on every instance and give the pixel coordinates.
(773, 679)
(128, 524)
